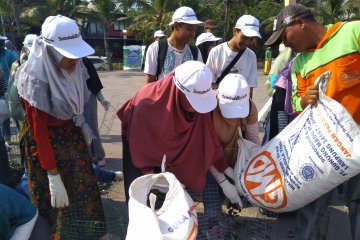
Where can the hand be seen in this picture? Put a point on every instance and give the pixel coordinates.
(106, 104)
(230, 173)
(311, 96)
(59, 197)
(230, 192)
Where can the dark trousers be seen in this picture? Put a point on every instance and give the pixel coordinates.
(130, 171)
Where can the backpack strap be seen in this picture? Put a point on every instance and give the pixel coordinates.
(228, 68)
(194, 51)
(163, 46)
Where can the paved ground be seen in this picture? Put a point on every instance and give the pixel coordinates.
(119, 86)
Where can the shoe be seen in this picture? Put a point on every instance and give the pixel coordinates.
(119, 176)
(101, 162)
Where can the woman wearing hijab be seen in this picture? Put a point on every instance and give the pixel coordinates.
(234, 117)
(205, 42)
(52, 87)
(172, 117)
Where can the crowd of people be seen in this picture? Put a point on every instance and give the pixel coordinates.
(194, 107)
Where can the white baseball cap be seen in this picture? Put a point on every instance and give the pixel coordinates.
(29, 39)
(234, 95)
(3, 38)
(64, 35)
(206, 37)
(185, 15)
(159, 33)
(194, 78)
(248, 25)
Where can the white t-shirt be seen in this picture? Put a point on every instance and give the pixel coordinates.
(221, 56)
(174, 57)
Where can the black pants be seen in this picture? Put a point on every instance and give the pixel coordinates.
(278, 118)
(130, 171)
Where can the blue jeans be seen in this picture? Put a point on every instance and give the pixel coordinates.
(103, 175)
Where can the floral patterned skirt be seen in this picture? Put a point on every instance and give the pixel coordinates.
(75, 167)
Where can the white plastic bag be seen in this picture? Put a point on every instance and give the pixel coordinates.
(176, 219)
(312, 155)
(4, 111)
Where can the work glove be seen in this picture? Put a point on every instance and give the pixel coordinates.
(230, 173)
(230, 192)
(105, 103)
(59, 197)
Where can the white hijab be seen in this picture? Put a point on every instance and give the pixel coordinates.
(48, 87)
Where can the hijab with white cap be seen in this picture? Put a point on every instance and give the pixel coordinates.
(48, 87)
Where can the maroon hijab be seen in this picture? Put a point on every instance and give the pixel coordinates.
(155, 124)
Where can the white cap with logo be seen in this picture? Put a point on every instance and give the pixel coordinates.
(159, 33)
(185, 15)
(64, 35)
(234, 95)
(248, 25)
(206, 37)
(29, 39)
(194, 78)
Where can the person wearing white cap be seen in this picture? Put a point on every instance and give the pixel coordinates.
(234, 56)
(235, 111)
(205, 42)
(165, 55)
(159, 34)
(172, 117)
(52, 87)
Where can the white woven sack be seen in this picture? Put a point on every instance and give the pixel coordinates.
(4, 111)
(312, 155)
(176, 219)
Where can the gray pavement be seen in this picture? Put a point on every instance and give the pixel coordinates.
(119, 86)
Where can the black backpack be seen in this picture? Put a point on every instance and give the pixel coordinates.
(163, 46)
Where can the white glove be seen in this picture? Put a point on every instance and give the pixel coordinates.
(230, 192)
(59, 197)
(106, 104)
(230, 173)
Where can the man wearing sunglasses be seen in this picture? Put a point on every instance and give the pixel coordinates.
(334, 47)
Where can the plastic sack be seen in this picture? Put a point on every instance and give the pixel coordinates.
(312, 155)
(4, 111)
(176, 219)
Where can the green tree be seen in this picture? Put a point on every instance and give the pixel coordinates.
(106, 12)
(149, 16)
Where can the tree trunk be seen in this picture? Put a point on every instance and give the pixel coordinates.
(106, 44)
(3, 24)
(17, 20)
(226, 28)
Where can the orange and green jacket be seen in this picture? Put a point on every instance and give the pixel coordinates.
(338, 51)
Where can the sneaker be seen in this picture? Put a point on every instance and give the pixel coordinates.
(119, 176)
(101, 162)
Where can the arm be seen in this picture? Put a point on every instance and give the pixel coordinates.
(150, 78)
(251, 126)
(151, 62)
(39, 120)
(229, 189)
